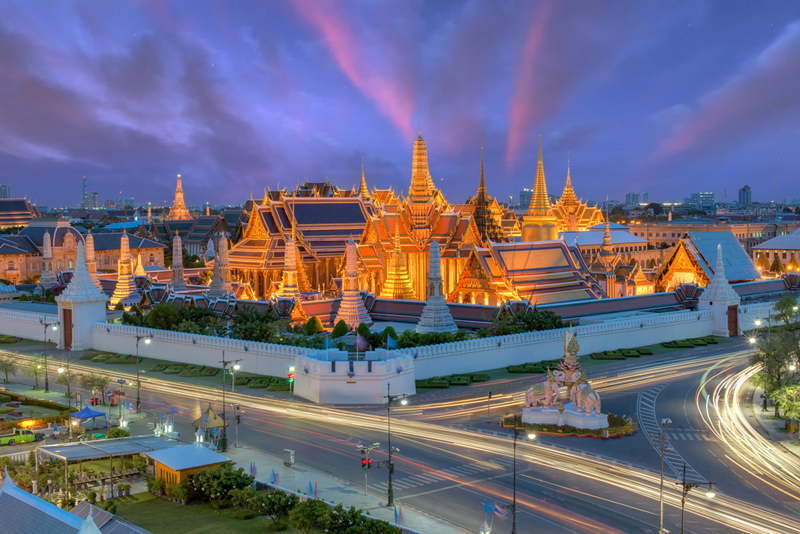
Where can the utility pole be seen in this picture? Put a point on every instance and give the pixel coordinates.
(686, 488)
(389, 462)
(225, 364)
(238, 417)
(366, 462)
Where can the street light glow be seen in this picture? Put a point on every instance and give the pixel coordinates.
(758, 322)
(531, 436)
(60, 369)
(752, 340)
(147, 341)
(710, 492)
(236, 367)
(404, 401)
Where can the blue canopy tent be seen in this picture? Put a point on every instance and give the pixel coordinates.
(88, 413)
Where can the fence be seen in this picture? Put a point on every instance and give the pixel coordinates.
(27, 324)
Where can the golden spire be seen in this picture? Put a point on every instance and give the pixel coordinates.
(607, 247)
(482, 184)
(363, 191)
(568, 198)
(179, 211)
(398, 283)
(540, 204)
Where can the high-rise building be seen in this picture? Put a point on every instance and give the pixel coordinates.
(525, 197)
(94, 201)
(646, 198)
(5, 191)
(703, 199)
(632, 198)
(745, 196)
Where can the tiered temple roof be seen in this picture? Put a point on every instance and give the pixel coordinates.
(179, 212)
(573, 215)
(16, 212)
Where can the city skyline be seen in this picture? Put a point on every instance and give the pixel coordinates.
(636, 99)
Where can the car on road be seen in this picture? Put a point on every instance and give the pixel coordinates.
(21, 435)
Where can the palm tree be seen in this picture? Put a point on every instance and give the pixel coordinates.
(8, 367)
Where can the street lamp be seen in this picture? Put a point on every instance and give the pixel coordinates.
(147, 338)
(389, 463)
(45, 325)
(69, 379)
(531, 436)
(686, 488)
(662, 439)
(225, 364)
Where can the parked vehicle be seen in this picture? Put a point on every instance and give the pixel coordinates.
(21, 435)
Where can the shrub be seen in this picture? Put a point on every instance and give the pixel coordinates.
(158, 368)
(217, 483)
(308, 515)
(24, 298)
(340, 329)
(119, 307)
(278, 387)
(101, 357)
(4, 399)
(645, 352)
(174, 369)
(313, 326)
(245, 515)
(118, 433)
(91, 497)
(37, 298)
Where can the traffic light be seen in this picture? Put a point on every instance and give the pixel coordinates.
(290, 377)
(369, 463)
(364, 464)
(238, 419)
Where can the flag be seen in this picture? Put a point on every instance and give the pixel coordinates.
(500, 512)
(172, 410)
(310, 488)
(160, 415)
(55, 428)
(316, 491)
(362, 345)
(327, 342)
(205, 418)
(489, 507)
(396, 517)
(391, 343)
(253, 469)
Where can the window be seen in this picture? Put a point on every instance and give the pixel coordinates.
(59, 265)
(10, 265)
(152, 259)
(69, 264)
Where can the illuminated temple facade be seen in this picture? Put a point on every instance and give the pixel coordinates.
(481, 259)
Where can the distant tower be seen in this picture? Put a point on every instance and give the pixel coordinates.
(125, 291)
(178, 212)
(149, 214)
(436, 315)
(91, 263)
(178, 283)
(539, 224)
(83, 194)
(48, 276)
(351, 308)
(207, 211)
(362, 190)
(139, 267)
(289, 284)
(220, 278)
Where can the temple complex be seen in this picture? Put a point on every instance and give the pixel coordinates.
(179, 212)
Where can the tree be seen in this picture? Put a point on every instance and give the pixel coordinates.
(363, 330)
(35, 368)
(793, 265)
(762, 262)
(786, 310)
(656, 207)
(344, 521)
(217, 483)
(275, 504)
(244, 498)
(8, 367)
(308, 515)
(95, 382)
(788, 398)
(777, 265)
(65, 379)
(162, 316)
(775, 352)
(340, 329)
(313, 326)
(617, 214)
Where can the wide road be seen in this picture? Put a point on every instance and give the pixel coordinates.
(449, 472)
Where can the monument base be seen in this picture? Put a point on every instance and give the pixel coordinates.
(570, 416)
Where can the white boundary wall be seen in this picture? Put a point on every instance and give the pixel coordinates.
(314, 380)
(749, 313)
(494, 352)
(26, 324)
(259, 358)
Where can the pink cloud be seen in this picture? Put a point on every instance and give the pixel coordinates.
(391, 95)
(522, 108)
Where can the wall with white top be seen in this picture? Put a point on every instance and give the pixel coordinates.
(363, 382)
(26, 324)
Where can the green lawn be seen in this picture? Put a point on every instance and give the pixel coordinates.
(164, 517)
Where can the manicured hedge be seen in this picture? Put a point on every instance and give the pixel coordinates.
(158, 368)
(4, 399)
(5, 340)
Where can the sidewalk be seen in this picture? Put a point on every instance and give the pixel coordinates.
(773, 429)
(329, 488)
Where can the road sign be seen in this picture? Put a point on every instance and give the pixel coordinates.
(120, 381)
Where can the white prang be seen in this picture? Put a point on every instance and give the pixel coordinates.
(436, 315)
(722, 300)
(351, 309)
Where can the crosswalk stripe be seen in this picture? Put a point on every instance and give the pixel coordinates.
(431, 478)
(450, 472)
(690, 437)
(460, 470)
(481, 467)
(674, 436)
(402, 485)
(681, 435)
(418, 479)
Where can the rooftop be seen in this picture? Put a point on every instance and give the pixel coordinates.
(187, 457)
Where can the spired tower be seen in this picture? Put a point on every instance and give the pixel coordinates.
(421, 193)
(363, 192)
(178, 212)
(91, 263)
(139, 267)
(221, 278)
(125, 291)
(484, 220)
(351, 309)
(606, 262)
(289, 284)
(398, 283)
(436, 315)
(722, 300)
(539, 224)
(48, 276)
(178, 283)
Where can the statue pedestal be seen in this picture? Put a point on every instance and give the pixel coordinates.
(570, 417)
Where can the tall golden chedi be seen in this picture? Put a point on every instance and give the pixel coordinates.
(539, 224)
(125, 291)
(398, 283)
(421, 196)
(178, 212)
(573, 215)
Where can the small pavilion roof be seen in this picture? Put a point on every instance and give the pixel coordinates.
(103, 448)
(187, 457)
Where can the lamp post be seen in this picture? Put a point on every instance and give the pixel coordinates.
(45, 325)
(686, 488)
(531, 437)
(662, 441)
(225, 364)
(389, 463)
(147, 338)
(235, 367)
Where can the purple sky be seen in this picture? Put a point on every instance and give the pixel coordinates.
(238, 96)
